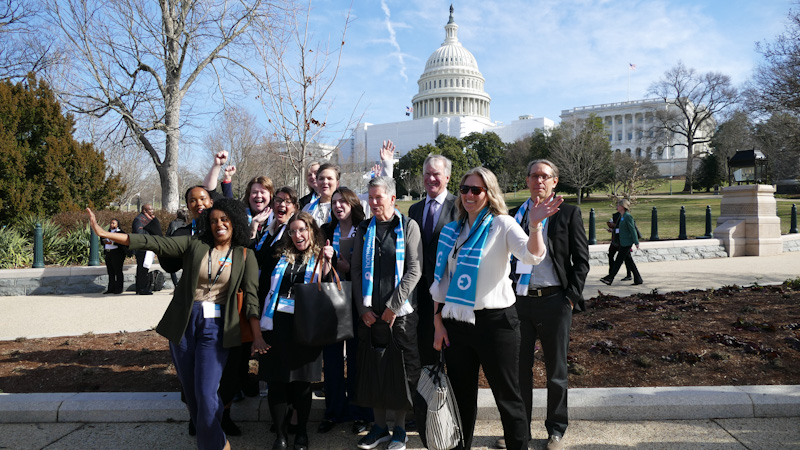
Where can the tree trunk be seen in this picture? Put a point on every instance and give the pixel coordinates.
(579, 195)
(168, 172)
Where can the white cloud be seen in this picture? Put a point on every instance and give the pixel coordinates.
(393, 40)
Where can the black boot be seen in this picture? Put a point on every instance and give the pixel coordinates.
(228, 426)
(192, 429)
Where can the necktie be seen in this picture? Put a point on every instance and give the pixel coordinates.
(427, 233)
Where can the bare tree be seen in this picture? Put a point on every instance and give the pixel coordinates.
(239, 134)
(136, 63)
(691, 100)
(632, 177)
(26, 44)
(582, 153)
(300, 72)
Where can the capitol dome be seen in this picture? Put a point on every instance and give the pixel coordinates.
(451, 84)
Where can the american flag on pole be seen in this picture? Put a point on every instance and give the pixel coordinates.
(409, 110)
(631, 66)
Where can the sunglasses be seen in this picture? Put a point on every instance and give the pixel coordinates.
(476, 190)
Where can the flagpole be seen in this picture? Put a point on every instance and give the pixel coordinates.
(629, 82)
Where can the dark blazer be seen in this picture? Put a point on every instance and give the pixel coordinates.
(244, 275)
(569, 249)
(448, 214)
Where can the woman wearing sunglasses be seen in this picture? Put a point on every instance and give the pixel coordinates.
(290, 367)
(474, 315)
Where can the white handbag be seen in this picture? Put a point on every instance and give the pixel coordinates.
(442, 423)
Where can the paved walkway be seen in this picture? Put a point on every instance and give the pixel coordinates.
(711, 417)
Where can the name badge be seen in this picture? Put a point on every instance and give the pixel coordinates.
(211, 310)
(524, 268)
(286, 305)
(616, 230)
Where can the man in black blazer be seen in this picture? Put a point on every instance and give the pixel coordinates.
(143, 223)
(546, 304)
(438, 206)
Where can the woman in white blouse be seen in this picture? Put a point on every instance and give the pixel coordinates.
(474, 315)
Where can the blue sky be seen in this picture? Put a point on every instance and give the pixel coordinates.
(540, 57)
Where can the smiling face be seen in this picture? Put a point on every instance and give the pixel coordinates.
(283, 207)
(541, 181)
(221, 227)
(114, 224)
(300, 232)
(435, 178)
(381, 204)
(311, 177)
(259, 198)
(472, 203)
(340, 207)
(198, 201)
(326, 183)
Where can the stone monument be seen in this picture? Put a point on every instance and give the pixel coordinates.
(748, 224)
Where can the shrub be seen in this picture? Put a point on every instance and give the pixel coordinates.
(15, 250)
(74, 248)
(51, 235)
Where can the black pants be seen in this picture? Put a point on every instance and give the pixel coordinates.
(623, 256)
(281, 395)
(142, 280)
(427, 354)
(114, 260)
(492, 342)
(612, 251)
(547, 319)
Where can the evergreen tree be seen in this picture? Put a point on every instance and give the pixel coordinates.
(43, 169)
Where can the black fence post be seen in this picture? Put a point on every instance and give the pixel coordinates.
(793, 226)
(654, 225)
(592, 229)
(709, 233)
(38, 247)
(682, 232)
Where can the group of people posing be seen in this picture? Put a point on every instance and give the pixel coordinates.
(460, 274)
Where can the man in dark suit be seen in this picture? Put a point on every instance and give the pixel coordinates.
(140, 226)
(432, 213)
(547, 299)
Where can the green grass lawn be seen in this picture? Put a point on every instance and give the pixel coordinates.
(668, 212)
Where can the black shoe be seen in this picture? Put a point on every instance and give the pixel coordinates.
(239, 396)
(301, 441)
(639, 281)
(325, 426)
(627, 278)
(411, 425)
(192, 429)
(109, 291)
(607, 280)
(145, 293)
(359, 426)
(281, 443)
(228, 426)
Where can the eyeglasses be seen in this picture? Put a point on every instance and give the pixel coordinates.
(541, 176)
(476, 190)
(296, 232)
(280, 201)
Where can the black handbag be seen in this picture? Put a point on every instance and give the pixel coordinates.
(323, 312)
(382, 382)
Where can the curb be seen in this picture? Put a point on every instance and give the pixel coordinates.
(608, 404)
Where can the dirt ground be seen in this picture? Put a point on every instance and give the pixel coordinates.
(728, 336)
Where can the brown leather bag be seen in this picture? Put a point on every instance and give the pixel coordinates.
(244, 322)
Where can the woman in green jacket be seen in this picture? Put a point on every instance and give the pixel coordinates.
(202, 320)
(626, 228)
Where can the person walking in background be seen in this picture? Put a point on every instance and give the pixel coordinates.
(626, 229)
(174, 226)
(475, 319)
(613, 247)
(432, 213)
(547, 295)
(115, 258)
(140, 226)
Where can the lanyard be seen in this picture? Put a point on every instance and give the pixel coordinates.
(221, 267)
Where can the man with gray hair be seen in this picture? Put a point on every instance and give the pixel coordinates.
(432, 213)
(547, 295)
(385, 270)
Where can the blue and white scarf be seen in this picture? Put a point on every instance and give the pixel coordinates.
(275, 286)
(337, 235)
(524, 279)
(312, 205)
(368, 257)
(461, 293)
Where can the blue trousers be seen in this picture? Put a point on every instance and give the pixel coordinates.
(199, 360)
(338, 391)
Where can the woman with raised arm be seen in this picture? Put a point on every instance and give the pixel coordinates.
(474, 318)
(202, 320)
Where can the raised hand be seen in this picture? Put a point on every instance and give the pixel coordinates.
(542, 209)
(229, 172)
(220, 158)
(327, 251)
(387, 151)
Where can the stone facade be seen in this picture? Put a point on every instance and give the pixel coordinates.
(65, 280)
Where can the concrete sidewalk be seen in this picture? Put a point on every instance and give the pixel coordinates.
(680, 417)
